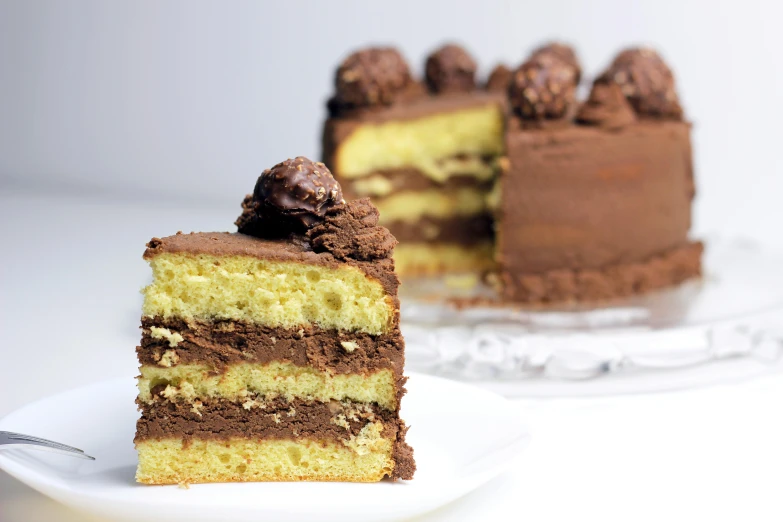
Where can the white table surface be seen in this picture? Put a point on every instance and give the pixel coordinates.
(69, 279)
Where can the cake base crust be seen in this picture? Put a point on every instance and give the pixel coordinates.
(622, 280)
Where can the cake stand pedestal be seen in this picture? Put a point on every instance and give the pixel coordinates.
(725, 327)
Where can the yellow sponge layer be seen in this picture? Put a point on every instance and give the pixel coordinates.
(424, 259)
(272, 293)
(410, 206)
(421, 142)
(244, 382)
(366, 458)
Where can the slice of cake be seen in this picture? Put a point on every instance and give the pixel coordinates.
(427, 156)
(553, 200)
(275, 354)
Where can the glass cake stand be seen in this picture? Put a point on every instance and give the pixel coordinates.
(727, 326)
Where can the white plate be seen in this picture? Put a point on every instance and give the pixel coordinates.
(462, 437)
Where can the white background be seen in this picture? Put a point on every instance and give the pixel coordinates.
(191, 100)
(124, 120)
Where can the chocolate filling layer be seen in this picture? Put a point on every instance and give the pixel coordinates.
(461, 230)
(220, 343)
(411, 178)
(275, 419)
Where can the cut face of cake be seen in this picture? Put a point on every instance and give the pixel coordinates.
(427, 162)
(551, 199)
(274, 358)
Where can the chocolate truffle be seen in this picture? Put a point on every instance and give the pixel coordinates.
(289, 198)
(373, 76)
(450, 69)
(558, 51)
(542, 89)
(647, 83)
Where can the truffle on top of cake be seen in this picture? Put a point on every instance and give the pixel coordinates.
(300, 197)
(647, 83)
(371, 76)
(638, 85)
(450, 69)
(544, 86)
(289, 198)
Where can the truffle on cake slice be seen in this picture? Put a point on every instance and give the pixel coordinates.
(425, 152)
(275, 354)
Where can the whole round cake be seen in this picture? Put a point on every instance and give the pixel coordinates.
(549, 198)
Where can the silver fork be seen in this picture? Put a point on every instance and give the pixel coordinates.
(9, 439)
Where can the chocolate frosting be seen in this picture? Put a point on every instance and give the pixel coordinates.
(596, 284)
(289, 198)
(222, 419)
(583, 198)
(450, 69)
(351, 231)
(606, 108)
(222, 342)
(646, 81)
(373, 76)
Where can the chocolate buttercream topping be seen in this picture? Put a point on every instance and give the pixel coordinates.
(647, 83)
(450, 69)
(542, 89)
(499, 79)
(289, 199)
(560, 52)
(606, 107)
(374, 76)
(351, 231)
